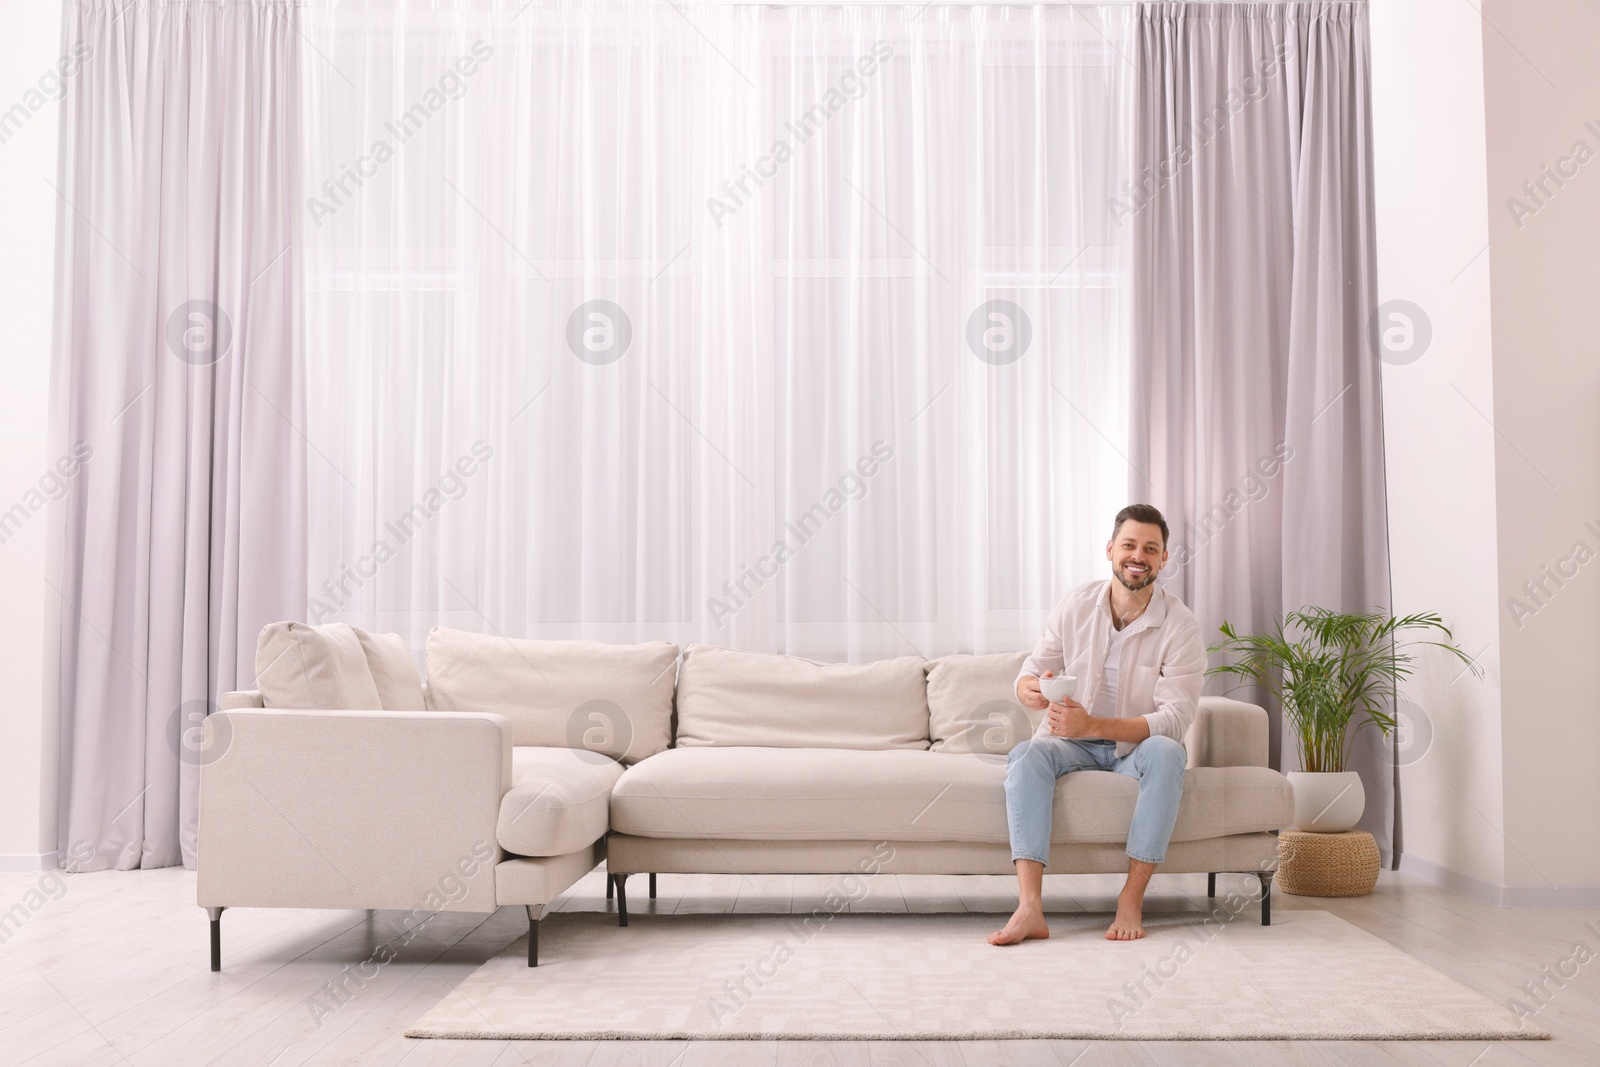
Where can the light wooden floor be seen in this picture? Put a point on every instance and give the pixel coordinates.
(115, 971)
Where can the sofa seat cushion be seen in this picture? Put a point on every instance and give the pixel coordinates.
(559, 801)
(810, 794)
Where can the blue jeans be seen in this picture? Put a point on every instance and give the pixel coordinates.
(1035, 764)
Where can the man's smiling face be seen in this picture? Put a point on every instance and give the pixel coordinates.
(1137, 554)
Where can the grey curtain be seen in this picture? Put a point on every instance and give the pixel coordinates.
(176, 370)
(1257, 420)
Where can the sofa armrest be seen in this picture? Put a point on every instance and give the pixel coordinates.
(351, 809)
(244, 698)
(1228, 733)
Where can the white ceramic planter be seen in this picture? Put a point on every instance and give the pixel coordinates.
(1327, 802)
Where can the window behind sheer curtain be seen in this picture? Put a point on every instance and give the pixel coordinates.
(471, 466)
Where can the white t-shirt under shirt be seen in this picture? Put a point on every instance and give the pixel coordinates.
(1105, 701)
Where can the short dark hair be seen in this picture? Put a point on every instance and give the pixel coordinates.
(1141, 513)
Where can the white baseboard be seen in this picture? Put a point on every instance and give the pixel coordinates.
(1501, 896)
(1554, 896)
(27, 862)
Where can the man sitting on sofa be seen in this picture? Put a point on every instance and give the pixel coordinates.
(1140, 662)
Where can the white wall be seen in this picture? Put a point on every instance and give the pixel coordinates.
(1433, 236)
(1493, 444)
(1542, 90)
(30, 32)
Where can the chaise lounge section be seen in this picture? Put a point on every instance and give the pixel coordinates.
(488, 786)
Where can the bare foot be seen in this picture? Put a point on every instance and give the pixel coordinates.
(1128, 925)
(1026, 923)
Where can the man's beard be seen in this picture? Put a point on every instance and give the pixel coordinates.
(1133, 587)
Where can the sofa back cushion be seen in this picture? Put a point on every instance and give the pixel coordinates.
(751, 698)
(314, 668)
(972, 705)
(393, 670)
(612, 699)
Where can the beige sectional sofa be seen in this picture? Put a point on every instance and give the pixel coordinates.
(345, 782)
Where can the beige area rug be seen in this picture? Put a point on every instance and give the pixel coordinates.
(1310, 975)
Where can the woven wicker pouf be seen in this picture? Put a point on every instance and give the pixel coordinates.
(1327, 865)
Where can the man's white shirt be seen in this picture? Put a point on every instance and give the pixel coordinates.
(1159, 667)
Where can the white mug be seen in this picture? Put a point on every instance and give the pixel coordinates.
(1059, 689)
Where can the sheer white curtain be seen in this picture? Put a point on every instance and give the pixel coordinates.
(634, 321)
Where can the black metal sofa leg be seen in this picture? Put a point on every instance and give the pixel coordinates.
(215, 915)
(611, 885)
(1211, 884)
(533, 933)
(1266, 897)
(622, 898)
(652, 886)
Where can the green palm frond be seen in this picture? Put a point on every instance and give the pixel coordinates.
(1338, 667)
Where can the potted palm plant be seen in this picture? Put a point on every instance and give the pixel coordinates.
(1327, 668)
